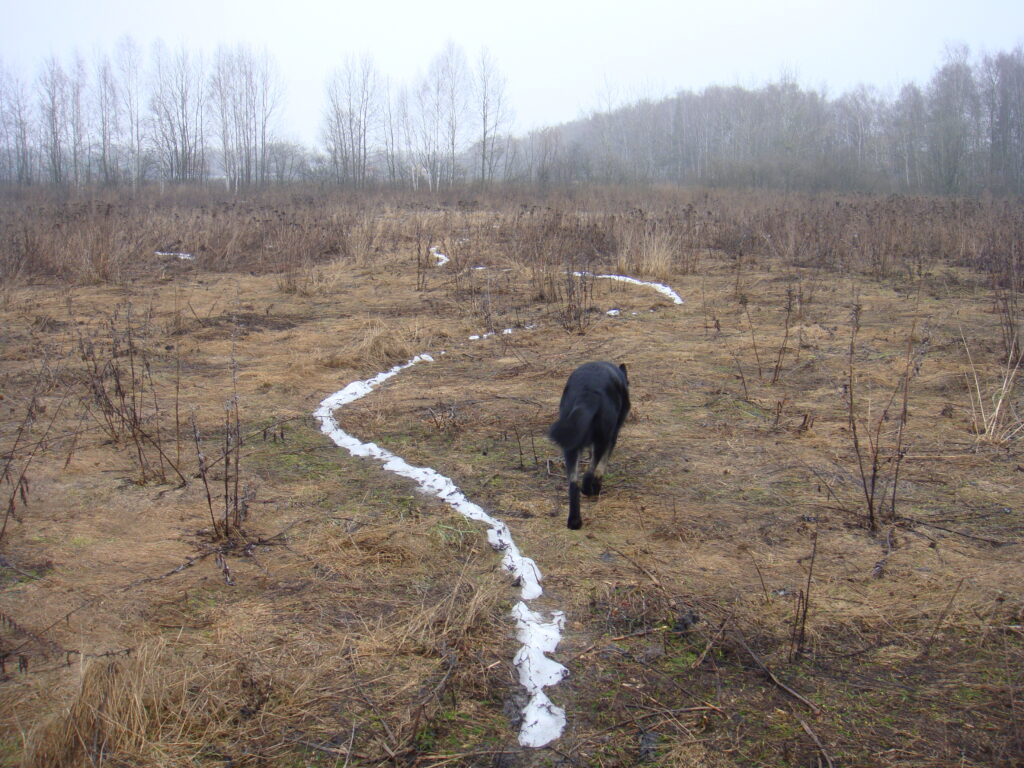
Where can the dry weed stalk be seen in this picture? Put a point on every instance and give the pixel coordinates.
(744, 302)
(878, 464)
(1000, 424)
(577, 302)
(785, 336)
(18, 458)
(119, 379)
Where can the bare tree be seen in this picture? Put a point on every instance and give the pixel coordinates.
(287, 162)
(78, 130)
(177, 115)
(18, 116)
(108, 123)
(245, 94)
(493, 114)
(451, 73)
(1002, 90)
(426, 128)
(353, 112)
(907, 136)
(129, 66)
(8, 153)
(953, 110)
(393, 106)
(53, 118)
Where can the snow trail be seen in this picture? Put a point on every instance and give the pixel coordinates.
(543, 722)
(659, 287)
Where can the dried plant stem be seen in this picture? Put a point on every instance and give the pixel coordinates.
(753, 340)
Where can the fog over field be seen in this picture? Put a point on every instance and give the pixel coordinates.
(562, 60)
(441, 93)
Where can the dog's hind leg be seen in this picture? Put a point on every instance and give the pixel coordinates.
(572, 467)
(599, 460)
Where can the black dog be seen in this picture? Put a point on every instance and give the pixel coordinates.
(595, 403)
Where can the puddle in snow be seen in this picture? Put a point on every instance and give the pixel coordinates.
(543, 722)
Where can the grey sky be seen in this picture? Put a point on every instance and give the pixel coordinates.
(561, 59)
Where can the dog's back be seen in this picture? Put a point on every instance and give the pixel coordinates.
(593, 399)
(594, 405)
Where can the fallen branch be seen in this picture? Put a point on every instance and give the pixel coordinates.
(942, 617)
(771, 676)
(916, 521)
(817, 741)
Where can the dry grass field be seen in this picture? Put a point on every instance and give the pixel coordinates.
(807, 553)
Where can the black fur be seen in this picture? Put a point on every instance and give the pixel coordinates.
(595, 403)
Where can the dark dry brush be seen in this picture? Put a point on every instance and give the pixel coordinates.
(806, 551)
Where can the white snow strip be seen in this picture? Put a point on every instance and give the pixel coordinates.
(659, 287)
(543, 722)
(613, 313)
(182, 256)
(441, 258)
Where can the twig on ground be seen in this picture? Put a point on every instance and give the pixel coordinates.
(817, 741)
(771, 676)
(654, 579)
(710, 644)
(942, 617)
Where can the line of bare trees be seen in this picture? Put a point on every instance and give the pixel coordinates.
(960, 133)
(175, 116)
(450, 127)
(128, 119)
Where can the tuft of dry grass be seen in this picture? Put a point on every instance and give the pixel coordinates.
(379, 346)
(116, 713)
(648, 251)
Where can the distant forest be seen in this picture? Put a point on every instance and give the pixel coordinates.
(175, 116)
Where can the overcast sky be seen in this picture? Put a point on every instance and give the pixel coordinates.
(561, 58)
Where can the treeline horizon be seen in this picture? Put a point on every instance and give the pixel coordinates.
(128, 120)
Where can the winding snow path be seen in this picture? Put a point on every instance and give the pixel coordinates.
(543, 722)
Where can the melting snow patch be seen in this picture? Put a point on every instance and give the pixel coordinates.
(613, 312)
(542, 721)
(174, 254)
(441, 258)
(659, 287)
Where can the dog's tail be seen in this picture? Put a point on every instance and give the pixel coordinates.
(572, 431)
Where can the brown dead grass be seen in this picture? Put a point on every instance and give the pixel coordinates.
(359, 622)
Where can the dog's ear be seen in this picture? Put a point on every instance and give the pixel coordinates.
(622, 367)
